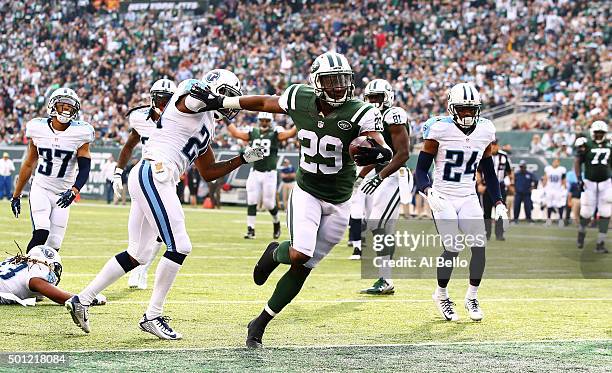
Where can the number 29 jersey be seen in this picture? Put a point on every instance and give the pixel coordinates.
(57, 152)
(458, 154)
(180, 138)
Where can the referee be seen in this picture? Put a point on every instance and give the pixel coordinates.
(504, 175)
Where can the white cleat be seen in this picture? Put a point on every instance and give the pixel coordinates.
(79, 313)
(446, 307)
(138, 278)
(159, 327)
(473, 308)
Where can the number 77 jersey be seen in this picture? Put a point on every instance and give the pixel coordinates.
(57, 152)
(458, 154)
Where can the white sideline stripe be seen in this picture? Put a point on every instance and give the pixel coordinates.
(357, 275)
(332, 301)
(420, 344)
(188, 209)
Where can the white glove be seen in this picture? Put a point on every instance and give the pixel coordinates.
(357, 183)
(501, 212)
(253, 154)
(99, 300)
(435, 200)
(118, 182)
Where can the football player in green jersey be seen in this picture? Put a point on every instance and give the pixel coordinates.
(596, 186)
(328, 118)
(262, 181)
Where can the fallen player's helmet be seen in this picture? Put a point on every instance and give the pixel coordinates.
(46, 255)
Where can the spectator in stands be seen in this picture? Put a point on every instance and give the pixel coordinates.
(287, 175)
(536, 147)
(108, 170)
(7, 167)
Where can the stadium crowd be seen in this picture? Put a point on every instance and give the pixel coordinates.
(543, 50)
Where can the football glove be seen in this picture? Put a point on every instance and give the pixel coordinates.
(66, 198)
(501, 212)
(99, 300)
(435, 200)
(16, 206)
(210, 100)
(370, 186)
(357, 183)
(253, 154)
(372, 155)
(581, 185)
(118, 182)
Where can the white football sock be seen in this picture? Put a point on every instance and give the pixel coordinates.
(357, 244)
(472, 292)
(156, 246)
(251, 221)
(164, 278)
(442, 293)
(384, 270)
(275, 218)
(111, 272)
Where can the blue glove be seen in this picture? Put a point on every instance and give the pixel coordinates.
(16, 206)
(66, 198)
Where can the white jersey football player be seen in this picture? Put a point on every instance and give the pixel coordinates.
(262, 182)
(142, 122)
(387, 185)
(555, 189)
(25, 277)
(459, 144)
(59, 144)
(181, 138)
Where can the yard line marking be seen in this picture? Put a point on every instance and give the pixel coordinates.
(188, 209)
(301, 347)
(332, 301)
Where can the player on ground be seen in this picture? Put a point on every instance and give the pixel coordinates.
(262, 180)
(327, 118)
(58, 144)
(142, 122)
(555, 190)
(594, 153)
(25, 277)
(390, 183)
(182, 137)
(459, 144)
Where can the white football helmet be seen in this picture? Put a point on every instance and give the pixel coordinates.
(265, 120)
(49, 257)
(464, 96)
(161, 91)
(331, 76)
(379, 93)
(65, 96)
(226, 83)
(601, 127)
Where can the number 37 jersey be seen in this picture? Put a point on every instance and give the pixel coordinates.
(458, 154)
(180, 138)
(57, 152)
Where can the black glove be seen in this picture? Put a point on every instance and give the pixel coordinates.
(376, 154)
(66, 198)
(16, 206)
(370, 186)
(212, 101)
(581, 185)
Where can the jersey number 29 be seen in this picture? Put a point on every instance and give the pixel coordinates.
(329, 147)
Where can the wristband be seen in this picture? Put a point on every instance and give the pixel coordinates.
(118, 171)
(231, 102)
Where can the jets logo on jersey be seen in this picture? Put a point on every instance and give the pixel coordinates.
(344, 125)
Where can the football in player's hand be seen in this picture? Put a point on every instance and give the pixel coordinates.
(356, 143)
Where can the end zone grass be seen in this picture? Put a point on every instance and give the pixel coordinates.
(214, 298)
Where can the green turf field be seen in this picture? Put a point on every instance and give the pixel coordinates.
(529, 325)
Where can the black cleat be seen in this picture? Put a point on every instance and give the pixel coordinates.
(580, 241)
(254, 335)
(356, 254)
(250, 235)
(265, 265)
(277, 231)
(601, 249)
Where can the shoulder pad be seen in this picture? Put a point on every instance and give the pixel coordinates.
(395, 115)
(33, 126)
(136, 108)
(434, 127)
(580, 141)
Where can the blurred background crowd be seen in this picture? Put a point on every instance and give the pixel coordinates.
(543, 50)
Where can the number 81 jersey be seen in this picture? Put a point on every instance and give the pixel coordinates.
(458, 154)
(57, 152)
